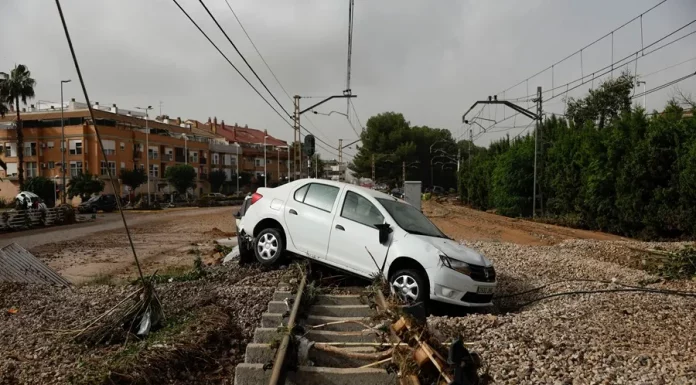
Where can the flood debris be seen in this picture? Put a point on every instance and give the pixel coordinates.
(17, 265)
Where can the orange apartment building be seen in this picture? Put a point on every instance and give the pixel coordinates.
(206, 146)
(124, 138)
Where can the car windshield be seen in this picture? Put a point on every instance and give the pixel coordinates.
(410, 219)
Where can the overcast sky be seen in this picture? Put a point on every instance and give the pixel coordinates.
(429, 60)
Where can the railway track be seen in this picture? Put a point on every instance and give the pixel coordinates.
(330, 322)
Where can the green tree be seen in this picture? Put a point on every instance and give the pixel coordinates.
(603, 104)
(15, 87)
(133, 178)
(84, 185)
(182, 177)
(217, 178)
(513, 177)
(43, 187)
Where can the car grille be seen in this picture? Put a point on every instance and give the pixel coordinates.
(482, 274)
(477, 298)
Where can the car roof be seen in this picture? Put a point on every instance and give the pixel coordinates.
(367, 191)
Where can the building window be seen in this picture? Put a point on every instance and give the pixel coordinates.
(49, 144)
(75, 168)
(30, 169)
(8, 150)
(216, 158)
(109, 147)
(76, 147)
(51, 165)
(30, 149)
(152, 153)
(111, 167)
(258, 162)
(123, 146)
(123, 165)
(154, 171)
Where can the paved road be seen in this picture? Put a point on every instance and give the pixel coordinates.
(106, 222)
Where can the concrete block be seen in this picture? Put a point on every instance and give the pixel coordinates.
(259, 353)
(253, 374)
(273, 320)
(278, 307)
(338, 300)
(333, 336)
(262, 354)
(314, 320)
(281, 295)
(341, 310)
(267, 335)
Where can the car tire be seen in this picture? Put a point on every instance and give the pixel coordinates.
(268, 246)
(410, 286)
(246, 253)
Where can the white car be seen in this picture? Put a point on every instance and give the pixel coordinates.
(337, 224)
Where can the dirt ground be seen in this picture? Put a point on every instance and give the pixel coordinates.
(162, 241)
(463, 223)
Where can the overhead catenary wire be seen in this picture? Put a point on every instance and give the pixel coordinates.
(269, 67)
(238, 71)
(610, 33)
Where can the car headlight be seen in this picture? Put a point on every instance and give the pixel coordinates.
(456, 265)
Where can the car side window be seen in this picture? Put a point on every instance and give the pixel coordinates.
(320, 196)
(301, 192)
(357, 208)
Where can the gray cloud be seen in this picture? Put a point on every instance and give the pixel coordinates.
(429, 60)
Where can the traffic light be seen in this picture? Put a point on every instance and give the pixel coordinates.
(309, 145)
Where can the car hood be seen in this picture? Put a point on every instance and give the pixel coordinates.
(456, 251)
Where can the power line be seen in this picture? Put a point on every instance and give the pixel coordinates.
(665, 85)
(240, 74)
(267, 65)
(618, 63)
(351, 5)
(667, 68)
(587, 46)
(230, 62)
(242, 56)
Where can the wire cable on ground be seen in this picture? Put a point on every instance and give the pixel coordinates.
(99, 139)
(590, 281)
(692, 295)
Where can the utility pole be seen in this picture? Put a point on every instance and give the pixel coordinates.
(147, 150)
(403, 173)
(531, 115)
(297, 125)
(316, 166)
(373, 170)
(340, 158)
(536, 140)
(62, 137)
(468, 172)
(296, 140)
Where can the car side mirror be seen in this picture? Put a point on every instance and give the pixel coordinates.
(384, 231)
(238, 214)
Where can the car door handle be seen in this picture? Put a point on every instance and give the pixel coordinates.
(293, 212)
(339, 227)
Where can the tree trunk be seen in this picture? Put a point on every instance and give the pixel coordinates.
(20, 148)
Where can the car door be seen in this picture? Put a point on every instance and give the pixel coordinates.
(309, 212)
(354, 233)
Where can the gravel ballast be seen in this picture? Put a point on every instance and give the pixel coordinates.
(605, 338)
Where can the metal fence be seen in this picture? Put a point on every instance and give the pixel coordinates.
(22, 219)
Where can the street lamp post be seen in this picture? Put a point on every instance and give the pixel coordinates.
(278, 160)
(638, 83)
(147, 149)
(237, 163)
(55, 185)
(265, 162)
(62, 137)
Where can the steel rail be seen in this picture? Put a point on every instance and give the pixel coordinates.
(278, 363)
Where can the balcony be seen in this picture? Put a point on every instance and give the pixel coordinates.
(167, 157)
(153, 155)
(204, 160)
(180, 158)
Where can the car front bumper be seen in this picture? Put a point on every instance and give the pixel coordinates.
(455, 288)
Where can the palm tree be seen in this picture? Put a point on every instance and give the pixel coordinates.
(16, 86)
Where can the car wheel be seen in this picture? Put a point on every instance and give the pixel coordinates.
(246, 253)
(268, 246)
(409, 285)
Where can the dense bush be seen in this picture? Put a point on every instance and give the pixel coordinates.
(619, 170)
